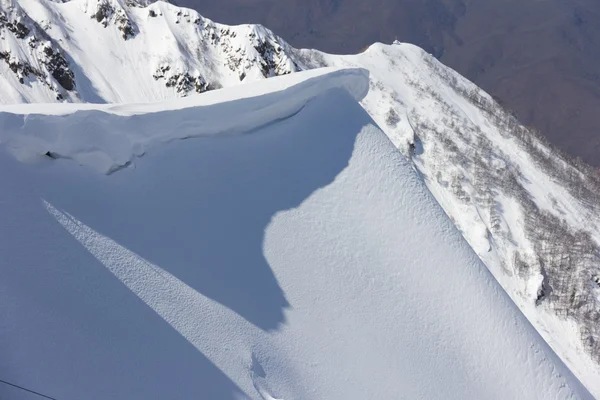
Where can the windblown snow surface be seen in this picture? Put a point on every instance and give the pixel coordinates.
(286, 250)
(531, 214)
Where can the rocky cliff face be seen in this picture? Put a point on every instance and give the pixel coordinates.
(166, 50)
(31, 55)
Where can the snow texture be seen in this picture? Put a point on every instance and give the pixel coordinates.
(531, 214)
(108, 138)
(301, 258)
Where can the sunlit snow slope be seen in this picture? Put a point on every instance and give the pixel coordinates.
(299, 256)
(531, 214)
(120, 52)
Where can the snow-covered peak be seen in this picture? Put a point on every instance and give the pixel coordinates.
(300, 256)
(117, 52)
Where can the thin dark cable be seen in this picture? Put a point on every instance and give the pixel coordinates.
(27, 390)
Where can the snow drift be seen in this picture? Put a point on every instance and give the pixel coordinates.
(109, 137)
(301, 258)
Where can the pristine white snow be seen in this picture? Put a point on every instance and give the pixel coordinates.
(452, 136)
(300, 258)
(111, 140)
(414, 99)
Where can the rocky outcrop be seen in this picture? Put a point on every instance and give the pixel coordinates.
(58, 66)
(21, 69)
(266, 51)
(194, 54)
(110, 13)
(272, 59)
(16, 27)
(46, 63)
(182, 82)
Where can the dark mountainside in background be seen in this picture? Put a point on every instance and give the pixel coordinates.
(539, 58)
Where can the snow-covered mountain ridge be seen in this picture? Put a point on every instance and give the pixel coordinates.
(290, 257)
(108, 51)
(530, 213)
(115, 142)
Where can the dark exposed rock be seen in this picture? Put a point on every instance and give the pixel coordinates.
(59, 68)
(545, 289)
(269, 54)
(105, 12)
(160, 72)
(126, 28)
(266, 52)
(49, 61)
(16, 27)
(184, 83)
(21, 69)
(19, 30)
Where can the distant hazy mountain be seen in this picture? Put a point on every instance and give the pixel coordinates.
(540, 58)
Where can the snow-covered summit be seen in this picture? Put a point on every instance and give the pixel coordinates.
(300, 256)
(113, 51)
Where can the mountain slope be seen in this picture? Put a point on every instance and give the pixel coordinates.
(539, 57)
(529, 212)
(304, 258)
(117, 53)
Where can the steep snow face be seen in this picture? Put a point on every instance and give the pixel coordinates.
(122, 53)
(300, 258)
(530, 213)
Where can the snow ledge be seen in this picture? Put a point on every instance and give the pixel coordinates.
(109, 137)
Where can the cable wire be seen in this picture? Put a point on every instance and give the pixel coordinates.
(27, 390)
